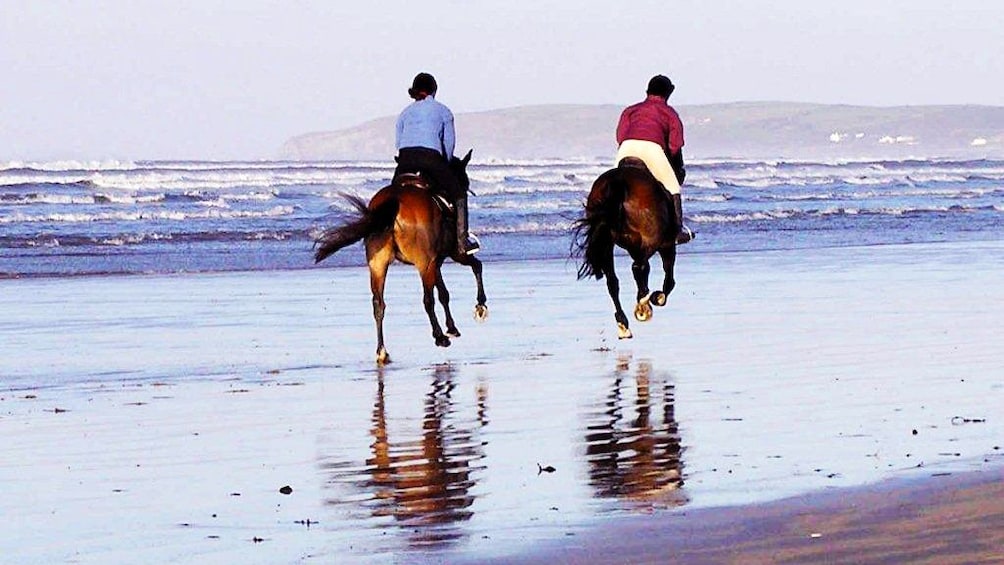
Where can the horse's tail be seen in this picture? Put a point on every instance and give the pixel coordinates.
(594, 231)
(366, 222)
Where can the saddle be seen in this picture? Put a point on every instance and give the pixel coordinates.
(632, 162)
(418, 180)
(636, 163)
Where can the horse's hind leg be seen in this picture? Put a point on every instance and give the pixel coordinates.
(640, 268)
(430, 274)
(379, 259)
(668, 255)
(614, 288)
(444, 299)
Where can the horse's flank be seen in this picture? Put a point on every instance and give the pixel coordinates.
(419, 226)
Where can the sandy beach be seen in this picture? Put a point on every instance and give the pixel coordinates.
(852, 393)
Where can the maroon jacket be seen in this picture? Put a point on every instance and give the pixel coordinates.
(652, 120)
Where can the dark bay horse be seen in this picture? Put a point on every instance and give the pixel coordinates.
(407, 222)
(628, 208)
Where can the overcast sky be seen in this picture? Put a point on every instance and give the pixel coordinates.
(208, 79)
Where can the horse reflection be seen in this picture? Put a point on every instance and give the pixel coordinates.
(424, 481)
(633, 440)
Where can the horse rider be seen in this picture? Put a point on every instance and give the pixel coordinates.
(651, 130)
(425, 141)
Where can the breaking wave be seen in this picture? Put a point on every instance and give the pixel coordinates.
(76, 217)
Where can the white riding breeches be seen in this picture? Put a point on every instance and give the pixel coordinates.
(655, 159)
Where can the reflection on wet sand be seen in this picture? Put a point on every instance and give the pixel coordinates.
(633, 441)
(421, 480)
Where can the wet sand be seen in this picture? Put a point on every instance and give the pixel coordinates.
(158, 418)
(945, 519)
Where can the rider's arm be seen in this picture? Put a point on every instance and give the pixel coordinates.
(449, 134)
(622, 126)
(398, 130)
(675, 126)
(676, 162)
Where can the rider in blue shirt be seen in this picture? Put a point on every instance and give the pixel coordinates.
(425, 140)
(428, 123)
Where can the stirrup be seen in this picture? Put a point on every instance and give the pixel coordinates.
(472, 245)
(687, 234)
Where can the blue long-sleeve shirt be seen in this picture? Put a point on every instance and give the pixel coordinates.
(427, 123)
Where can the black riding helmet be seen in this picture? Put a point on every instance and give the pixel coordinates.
(424, 82)
(660, 85)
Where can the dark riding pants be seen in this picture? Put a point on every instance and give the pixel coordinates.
(431, 163)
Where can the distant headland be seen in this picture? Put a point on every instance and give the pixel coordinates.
(740, 130)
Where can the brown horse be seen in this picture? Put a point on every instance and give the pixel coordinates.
(629, 208)
(408, 222)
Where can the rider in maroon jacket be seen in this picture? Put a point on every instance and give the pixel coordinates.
(651, 130)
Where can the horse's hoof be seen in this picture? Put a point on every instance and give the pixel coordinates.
(658, 298)
(443, 341)
(481, 313)
(623, 332)
(643, 311)
(453, 332)
(383, 358)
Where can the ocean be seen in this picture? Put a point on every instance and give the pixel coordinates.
(99, 218)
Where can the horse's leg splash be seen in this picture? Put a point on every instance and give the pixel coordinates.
(430, 273)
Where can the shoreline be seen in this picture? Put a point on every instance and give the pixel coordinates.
(353, 257)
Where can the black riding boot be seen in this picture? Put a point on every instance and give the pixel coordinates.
(465, 244)
(684, 235)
